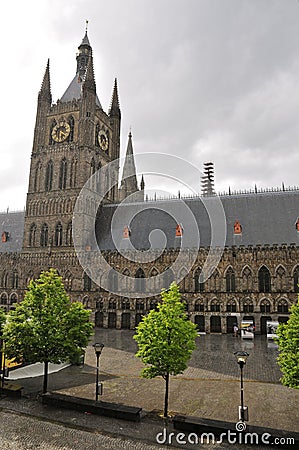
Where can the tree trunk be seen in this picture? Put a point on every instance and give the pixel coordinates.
(45, 385)
(166, 395)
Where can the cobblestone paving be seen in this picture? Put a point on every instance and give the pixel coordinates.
(209, 388)
(22, 432)
(19, 432)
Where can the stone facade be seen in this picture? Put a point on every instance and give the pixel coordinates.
(72, 139)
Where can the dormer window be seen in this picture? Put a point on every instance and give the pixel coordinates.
(237, 227)
(5, 236)
(179, 230)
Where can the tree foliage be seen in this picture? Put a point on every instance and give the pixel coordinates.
(288, 343)
(2, 320)
(166, 339)
(46, 326)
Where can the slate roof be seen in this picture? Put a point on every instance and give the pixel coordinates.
(13, 223)
(73, 92)
(266, 218)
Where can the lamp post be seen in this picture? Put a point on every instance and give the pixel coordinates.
(98, 350)
(241, 360)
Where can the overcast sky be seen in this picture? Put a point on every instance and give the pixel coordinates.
(206, 80)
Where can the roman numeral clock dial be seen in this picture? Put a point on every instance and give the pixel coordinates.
(61, 131)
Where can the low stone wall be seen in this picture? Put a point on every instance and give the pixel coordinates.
(115, 410)
(226, 431)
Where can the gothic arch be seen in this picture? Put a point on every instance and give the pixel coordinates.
(247, 279)
(63, 174)
(49, 176)
(71, 123)
(265, 305)
(37, 177)
(32, 235)
(58, 234)
(230, 280)
(44, 235)
(264, 279)
(295, 275)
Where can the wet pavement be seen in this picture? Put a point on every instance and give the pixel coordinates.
(210, 388)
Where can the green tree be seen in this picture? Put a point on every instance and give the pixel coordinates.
(288, 343)
(2, 322)
(166, 339)
(46, 326)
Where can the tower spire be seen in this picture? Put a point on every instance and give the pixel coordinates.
(45, 90)
(129, 180)
(89, 81)
(114, 110)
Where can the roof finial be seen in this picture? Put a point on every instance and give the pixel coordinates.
(86, 26)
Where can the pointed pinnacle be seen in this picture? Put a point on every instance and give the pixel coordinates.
(45, 90)
(114, 109)
(89, 81)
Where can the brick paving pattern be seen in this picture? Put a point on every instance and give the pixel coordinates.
(209, 388)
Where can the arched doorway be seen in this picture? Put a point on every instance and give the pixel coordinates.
(215, 324)
(264, 324)
(111, 320)
(126, 320)
(230, 322)
(199, 321)
(99, 319)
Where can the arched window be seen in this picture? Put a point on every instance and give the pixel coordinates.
(13, 298)
(113, 281)
(37, 177)
(184, 280)
(63, 174)
(139, 305)
(296, 279)
(68, 280)
(71, 123)
(199, 285)
(3, 299)
(69, 234)
(15, 280)
(32, 235)
(231, 306)
(73, 173)
(5, 280)
(282, 306)
(58, 234)
(280, 279)
(247, 306)
(264, 280)
(44, 235)
(215, 306)
(265, 306)
(214, 281)
(86, 282)
(247, 280)
(112, 303)
(199, 306)
(125, 304)
(139, 280)
(168, 278)
(49, 176)
(230, 280)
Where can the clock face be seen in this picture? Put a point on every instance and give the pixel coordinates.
(61, 131)
(103, 140)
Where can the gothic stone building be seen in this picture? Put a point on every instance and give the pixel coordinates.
(257, 275)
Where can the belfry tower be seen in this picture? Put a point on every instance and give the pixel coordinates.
(72, 139)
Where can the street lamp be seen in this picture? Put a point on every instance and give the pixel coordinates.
(98, 350)
(241, 360)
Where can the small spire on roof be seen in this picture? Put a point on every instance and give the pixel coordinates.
(114, 109)
(45, 90)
